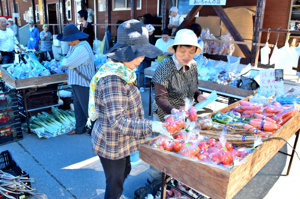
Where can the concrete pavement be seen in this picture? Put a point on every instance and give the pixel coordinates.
(65, 167)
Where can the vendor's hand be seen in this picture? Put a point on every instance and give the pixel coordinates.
(174, 111)
(201, 98)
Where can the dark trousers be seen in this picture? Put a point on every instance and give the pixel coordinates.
(45, 58)
(116, 171)
(81, 102)
(7, 57)
(145, 64)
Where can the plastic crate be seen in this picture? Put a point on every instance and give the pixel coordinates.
(8, 165)
(8, 97)
(11, 133)
(9, 116)
(142, 192)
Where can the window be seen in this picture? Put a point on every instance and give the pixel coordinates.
(37, 13)
(183, 7)
(125, 4)
(69, 10)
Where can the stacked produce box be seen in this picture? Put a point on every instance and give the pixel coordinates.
(10, 124)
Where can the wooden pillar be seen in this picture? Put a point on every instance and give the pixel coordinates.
(133, 9)
(63, 2)
(189, 18)
(45, 11)
(33, 11)
(258, 24)
(1, 9)
(232, 30)
(7, 7)
(165, 13)
(108, 4)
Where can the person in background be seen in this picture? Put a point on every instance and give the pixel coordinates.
(115, 103)
(46, 44)
(81, 68)
(146, 62)
(34, 37)
(151, 30)
(196, 28)
(175, 20)
(86, 27)
(8, 41)
(163, 43)
(90, 16)
(176, 79)
(13, 27)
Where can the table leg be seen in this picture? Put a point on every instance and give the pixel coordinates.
(163, 186)
(26, 110)
(150, 98)
(293, 152)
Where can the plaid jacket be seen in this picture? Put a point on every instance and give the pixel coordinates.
(121, 126)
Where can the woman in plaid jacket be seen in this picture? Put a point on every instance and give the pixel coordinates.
(115, 103)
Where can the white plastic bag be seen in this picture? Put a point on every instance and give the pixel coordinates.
(285, 59)
(264, 54)
(274, 56)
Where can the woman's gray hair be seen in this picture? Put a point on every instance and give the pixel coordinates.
(4, 19)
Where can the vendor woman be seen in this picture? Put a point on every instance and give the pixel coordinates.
(115, 102)
(81, 68)
(175, 79)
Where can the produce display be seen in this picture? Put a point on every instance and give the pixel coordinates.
(11, 184)
(220, 72)
(291, 97)
(224, 138)
(33, 68)
(214, 46)
(50, 125)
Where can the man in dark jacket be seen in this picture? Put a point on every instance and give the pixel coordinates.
(86, 27)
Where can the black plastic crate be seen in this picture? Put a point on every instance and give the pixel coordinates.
(8, 98)
(9, 165)
(11, 133)
(142, 192)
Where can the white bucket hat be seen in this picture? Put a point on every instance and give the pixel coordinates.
(185, 37)
(150, 28)
(174, 9)
(10, 19)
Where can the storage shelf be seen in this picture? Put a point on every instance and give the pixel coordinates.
(17, 121)
(44, 107)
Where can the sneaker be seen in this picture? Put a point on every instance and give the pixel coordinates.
(123, 197)
(142, 89)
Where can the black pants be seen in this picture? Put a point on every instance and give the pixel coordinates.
(81, 103)
(116, 171)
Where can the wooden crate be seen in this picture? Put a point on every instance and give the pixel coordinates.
(216, 181)
(35, 81)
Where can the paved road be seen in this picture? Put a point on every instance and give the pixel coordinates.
(65, 167)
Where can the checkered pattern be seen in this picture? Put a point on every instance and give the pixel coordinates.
(180, 85)
(121, 126)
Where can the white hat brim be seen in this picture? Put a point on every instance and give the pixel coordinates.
(171, 49)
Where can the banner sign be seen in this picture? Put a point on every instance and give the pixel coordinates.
(208, 2)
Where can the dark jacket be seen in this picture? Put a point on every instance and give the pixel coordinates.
(90, 31)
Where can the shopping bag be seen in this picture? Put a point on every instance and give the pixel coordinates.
(247, 80)
(264, 54)
(274, 56)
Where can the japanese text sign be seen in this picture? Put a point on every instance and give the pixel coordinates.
(208, 2)
(271, 81)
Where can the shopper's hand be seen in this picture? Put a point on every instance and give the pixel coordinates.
(201, 98)
(159, 128)
(174, 111)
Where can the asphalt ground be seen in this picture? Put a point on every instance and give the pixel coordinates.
(66, 167)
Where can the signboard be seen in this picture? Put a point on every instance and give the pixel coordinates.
(271, 81)
(208, 2)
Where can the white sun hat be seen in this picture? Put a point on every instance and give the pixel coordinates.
(174, 9)
(185, 37)
(150, 28)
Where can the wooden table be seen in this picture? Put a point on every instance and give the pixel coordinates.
(30, 86)
(213, 180)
